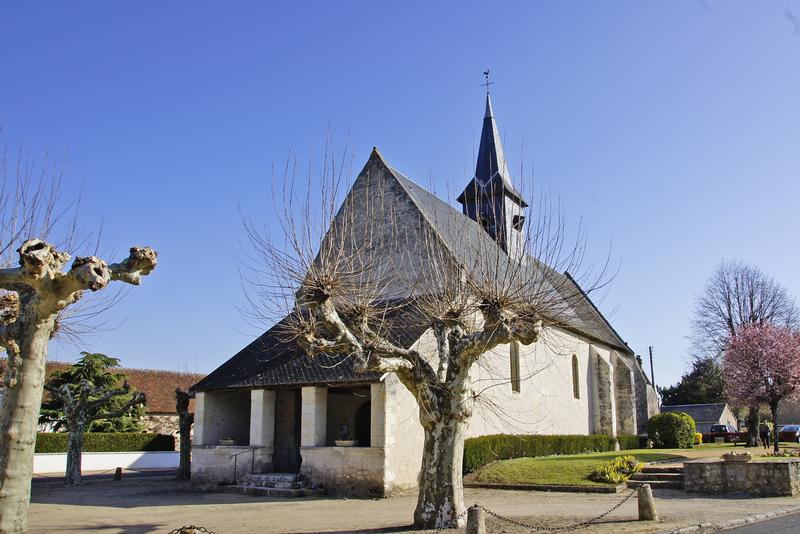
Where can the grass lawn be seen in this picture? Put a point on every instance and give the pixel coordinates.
(567, 470)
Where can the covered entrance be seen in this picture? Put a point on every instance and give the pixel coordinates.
(286, 453)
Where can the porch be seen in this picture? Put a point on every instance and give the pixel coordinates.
(334, 437)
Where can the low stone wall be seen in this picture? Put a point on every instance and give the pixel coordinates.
(759, 478)
(213, 465)
(345, 471)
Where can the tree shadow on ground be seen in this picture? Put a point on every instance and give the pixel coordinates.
(149, 528)
(405, 528)
(138, 493)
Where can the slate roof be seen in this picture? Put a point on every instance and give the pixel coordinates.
(701, 413)
(459, 233)
(272, 360)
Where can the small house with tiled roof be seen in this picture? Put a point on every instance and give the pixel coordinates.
(272, 408)
(159, 388)
(706, 415)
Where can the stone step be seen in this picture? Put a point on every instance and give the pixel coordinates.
(268, 481)
(244, 489)
(276, 477)
(662, 469)
(276, 480)
(656, 484)
(665, 477)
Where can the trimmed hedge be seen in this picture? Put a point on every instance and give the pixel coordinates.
(630, 441)
(671, 430)
(107, 442)
(480, 451)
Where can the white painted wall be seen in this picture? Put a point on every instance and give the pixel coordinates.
(403, 438)
(100, 461)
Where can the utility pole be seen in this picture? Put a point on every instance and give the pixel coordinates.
(652, 375)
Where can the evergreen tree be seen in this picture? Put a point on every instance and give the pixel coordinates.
(702, 385)
(90, 396)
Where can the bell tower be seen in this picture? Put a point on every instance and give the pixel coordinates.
(490, 198)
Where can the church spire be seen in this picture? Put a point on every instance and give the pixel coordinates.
(491, 158)
(490, 198)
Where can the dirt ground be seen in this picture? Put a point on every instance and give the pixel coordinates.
(160, 504)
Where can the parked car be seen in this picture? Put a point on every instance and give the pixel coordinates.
(727, 432)
(789, 433)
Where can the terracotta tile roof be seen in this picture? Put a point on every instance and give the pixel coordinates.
(159, 386)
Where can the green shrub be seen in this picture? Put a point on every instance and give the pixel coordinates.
(107, 442)
(672, 430)
(617, 471)
(629, 441)
(480, 451)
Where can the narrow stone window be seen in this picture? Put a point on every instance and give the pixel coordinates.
(514, 357)
(576, 385)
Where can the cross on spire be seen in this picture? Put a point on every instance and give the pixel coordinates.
(487, 83)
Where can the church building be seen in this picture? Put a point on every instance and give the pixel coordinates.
(273, 418)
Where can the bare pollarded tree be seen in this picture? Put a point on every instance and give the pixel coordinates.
(348, 271)
(34, 295)
(735, 296)
(185, 421)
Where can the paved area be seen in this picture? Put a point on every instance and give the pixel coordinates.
(789, 524)
(160, 504)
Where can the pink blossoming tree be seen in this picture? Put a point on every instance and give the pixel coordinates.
(762, 366)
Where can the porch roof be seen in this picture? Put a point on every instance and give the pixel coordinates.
(271, 360)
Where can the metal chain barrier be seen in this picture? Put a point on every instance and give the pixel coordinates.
(191, 529)
(564, 528)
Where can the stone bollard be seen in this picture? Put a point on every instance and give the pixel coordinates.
(476, 520)
(647, 506)
(118, 474)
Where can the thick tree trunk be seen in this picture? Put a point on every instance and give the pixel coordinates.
(773, 407)
(19, 420)
(752, 427)
(74, 450)
(184, 429)
(441, 493)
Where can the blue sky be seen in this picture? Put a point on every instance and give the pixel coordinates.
(671, 128)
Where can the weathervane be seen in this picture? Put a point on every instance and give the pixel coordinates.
(487, 83)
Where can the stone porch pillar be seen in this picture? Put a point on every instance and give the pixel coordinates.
(262, 428)
(262, 418)
(377, 414)
(200, 433)
(314, 417)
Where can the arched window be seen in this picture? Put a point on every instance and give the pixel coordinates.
(514, 357)
(576, 385)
